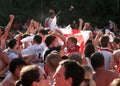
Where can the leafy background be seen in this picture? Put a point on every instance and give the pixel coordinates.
(98, 12)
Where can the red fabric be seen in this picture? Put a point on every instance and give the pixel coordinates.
(107, 50)
(119, 69)
(20, 43)
(46, 69)
(74, 49)
(75, 31)
(47, 23)
(79, 38)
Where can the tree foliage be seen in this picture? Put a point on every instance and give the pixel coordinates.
(96, 11)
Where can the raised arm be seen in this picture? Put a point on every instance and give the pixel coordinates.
(96, 40)
(59, 34)
(5, 35)
(30, 26)
(7, 29)
(80, 24)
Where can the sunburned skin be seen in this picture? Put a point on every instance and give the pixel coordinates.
(4, 62)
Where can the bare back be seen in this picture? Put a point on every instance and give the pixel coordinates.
(104, 77)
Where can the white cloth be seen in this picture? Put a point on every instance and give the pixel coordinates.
(36, 50)
(12, 55)
(107, 57)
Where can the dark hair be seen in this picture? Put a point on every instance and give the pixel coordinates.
(43, 31)
(73, 39)
(37, 20)
(104, 40)
(28, 75)
(89, 49)
(73, 70)
(25, 35)
(88, 42)
(49, 39)
(37, 39)
(12, 43)
(116, 40)
(97, 59)
(16, 63)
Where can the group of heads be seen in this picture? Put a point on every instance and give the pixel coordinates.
(68, 72)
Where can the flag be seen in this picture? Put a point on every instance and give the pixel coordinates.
(82, 36)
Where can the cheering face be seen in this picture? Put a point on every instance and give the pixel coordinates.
(59, 77)
(70, 44)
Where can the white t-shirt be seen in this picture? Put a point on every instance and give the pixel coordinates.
(35, 49)
(12, 55)
(107, 57)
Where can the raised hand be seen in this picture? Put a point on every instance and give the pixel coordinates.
(11, 17)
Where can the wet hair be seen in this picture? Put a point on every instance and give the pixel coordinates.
(17, 62)
(49, 39)
(37, 39)
(28, 75)
(12, 43)
(73, 70)
(97, 60)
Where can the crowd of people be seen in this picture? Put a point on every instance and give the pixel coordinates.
(43, 56)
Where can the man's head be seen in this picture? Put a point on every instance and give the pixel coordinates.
(71, 42)
(50, 40)
(52, 61)
(104, 40)
(116, 42)
(31, 75)
(37, 39)
(69, 73)
(16, 65)
(13, 44)
(97, 60)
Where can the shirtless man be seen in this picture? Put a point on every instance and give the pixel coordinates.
(4, 33)
(4, 60)
(115, 62)
(4, 64)
(102, 76)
